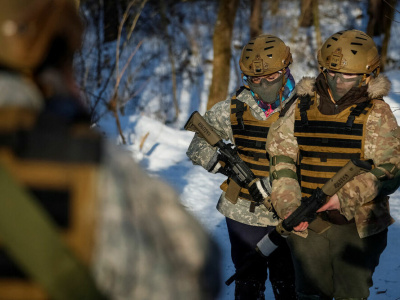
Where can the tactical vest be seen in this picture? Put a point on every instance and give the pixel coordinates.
(327, 142)
(57, 162)
(250, 136)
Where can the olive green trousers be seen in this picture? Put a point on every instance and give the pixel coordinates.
(337, 263)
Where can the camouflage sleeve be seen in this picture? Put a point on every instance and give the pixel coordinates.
(142, 223)
(286, 192)
(382, 145)
(218, 117)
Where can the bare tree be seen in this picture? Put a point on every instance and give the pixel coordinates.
(103, 81)
(171, 57)
(316, 23)
(273, 6)
(379, 24)
(222, 51)
(256, 18)
(306, 13)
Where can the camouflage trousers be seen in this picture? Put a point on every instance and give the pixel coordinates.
(337, 263)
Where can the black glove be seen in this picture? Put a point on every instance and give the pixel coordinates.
(260, 190)
(219, 166)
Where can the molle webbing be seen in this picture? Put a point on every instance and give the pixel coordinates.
(304, 105)
(288, 104)
(238, 109)
(250, 136)
(57, 163)
(327, 142)
(355, 112)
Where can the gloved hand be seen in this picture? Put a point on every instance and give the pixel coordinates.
(215, 168)
(260, 189)
(217, 165)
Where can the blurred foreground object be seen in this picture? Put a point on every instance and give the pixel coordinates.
(81, 220)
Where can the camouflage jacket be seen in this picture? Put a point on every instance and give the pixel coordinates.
(381, 144)
(201, 153)
(146, 245)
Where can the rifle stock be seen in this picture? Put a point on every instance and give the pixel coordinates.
(196, 123)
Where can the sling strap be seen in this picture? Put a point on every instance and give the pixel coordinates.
(32, 240)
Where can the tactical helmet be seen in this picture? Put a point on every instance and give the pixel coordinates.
(350, 51)
(263, 55)
(27, 28)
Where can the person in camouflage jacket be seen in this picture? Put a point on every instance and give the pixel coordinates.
(244, 120)
(141, 243)
(338, 116)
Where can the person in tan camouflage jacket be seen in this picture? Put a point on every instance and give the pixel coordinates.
(338, 116)
(244, 120)
(128, 231)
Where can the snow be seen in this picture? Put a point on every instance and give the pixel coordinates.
(160, 148)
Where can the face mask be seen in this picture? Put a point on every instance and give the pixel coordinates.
(339, 85)
(266, 91)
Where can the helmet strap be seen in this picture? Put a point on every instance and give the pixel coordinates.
(284, 80)
(244, 79)
(377, 71)
(330, 95)
(364, 79)
(329, 89)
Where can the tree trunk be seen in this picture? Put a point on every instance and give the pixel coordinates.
(222, 51)
(381, 14)
(306, 15)
(388, 12)
(316, 23)
(273, 6)
(110, 20)
(374, 27)
(171, 57)
(256, 18)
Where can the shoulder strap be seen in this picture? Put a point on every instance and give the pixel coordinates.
(240, 90)
(24, 225)
(355, 112)
(304, 105)
(238, 111)
(287, 106)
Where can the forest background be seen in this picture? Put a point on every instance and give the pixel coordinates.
(139, 56)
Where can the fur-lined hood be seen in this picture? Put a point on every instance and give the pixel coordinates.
(377, 87)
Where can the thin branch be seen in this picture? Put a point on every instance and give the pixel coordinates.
(120, 27)
(391, 6)
(113, 104)
(386, 16)
(118, 80)
(136, 19)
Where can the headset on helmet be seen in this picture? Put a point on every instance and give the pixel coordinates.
(263, 55)
(28, 27)
(350, 51)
